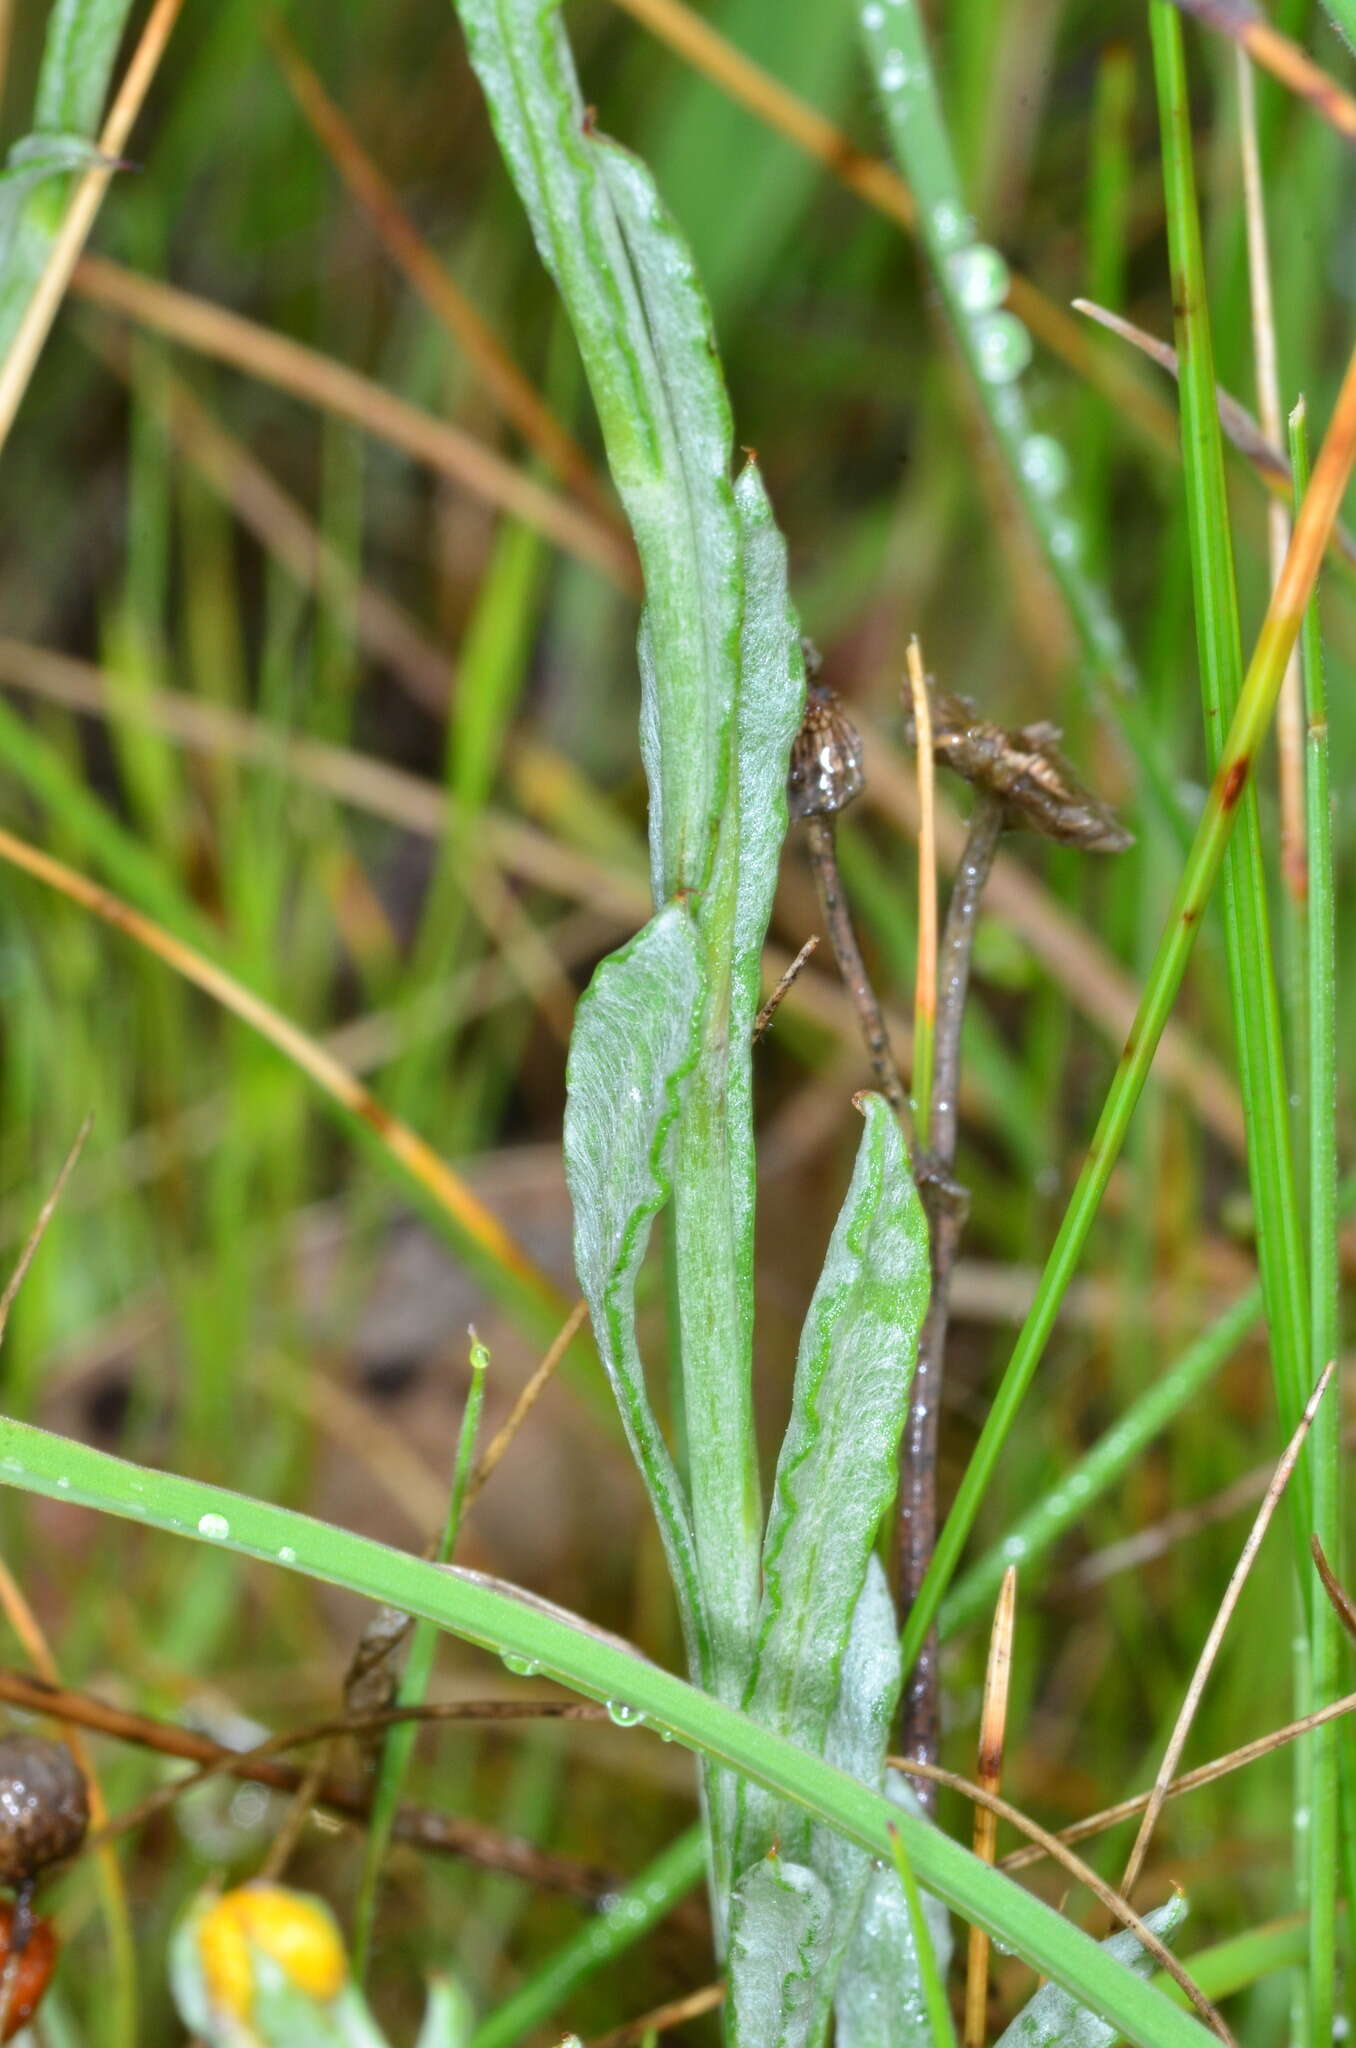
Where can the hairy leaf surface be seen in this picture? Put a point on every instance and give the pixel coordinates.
(780, 1919)
(880, 2001)
(633, 1043)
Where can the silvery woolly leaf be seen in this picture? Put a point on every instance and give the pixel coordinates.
(1052, 2019)
(33, 162)
(780, 1919)
(633, 1044)
(880, 2001)
(644, 331)
(836, 1472)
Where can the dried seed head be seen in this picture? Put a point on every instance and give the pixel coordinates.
(826, 758)
(44, 1806)
(1026, 770)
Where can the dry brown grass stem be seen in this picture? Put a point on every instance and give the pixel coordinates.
(1206, 1661)
(44, 1217)
(1284, 59)
(925, 981)
(71, 236)
(662, 2018)
(319, 380)
(1190, 1781)
(993, 1722)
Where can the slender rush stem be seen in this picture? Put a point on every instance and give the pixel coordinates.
(821, 837)
(1256, 703)
(945, 1203)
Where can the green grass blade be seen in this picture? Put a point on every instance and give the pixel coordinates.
(39, 1462)
(1051, 2019)
(77, 62)
(972, 279)
(1323, 1452)
(940, 2026)
(1257, 702)
(398, 1745)
(1253, 994)
(883, 1999)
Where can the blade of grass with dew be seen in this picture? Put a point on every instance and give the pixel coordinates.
(36, 1461)
(973, 279)
(603, 1940)
(1324, 1452)
(1051, 2019)
(1256, 704)
(399, 1743)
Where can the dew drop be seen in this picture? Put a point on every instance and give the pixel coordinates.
(522, 1667)
(624, 1716)
(1044, 464)
(980, 277)
(950, 225)
(1004, 347)
(63, 1482)
(666, 1735)
(287, 1555)
(873, 17)
(214, 1526)
(894, 72)
(1064, 542)
(1014, 1549)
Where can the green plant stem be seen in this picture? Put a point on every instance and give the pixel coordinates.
(940, 2023)
(1323, 1453)
(604, 1939)
(398, 1743)
(39, 1462)
(1256, 703)
(1253, 994)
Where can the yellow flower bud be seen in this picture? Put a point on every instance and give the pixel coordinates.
(295, 1932)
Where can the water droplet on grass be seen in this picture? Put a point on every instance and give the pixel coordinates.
(287, 1555)
(980, 277)
(1044, 464)
(522, 1667)
(950, 225)
(623, 1716)
(1004, 347)
(873, 16)
(215, 1527)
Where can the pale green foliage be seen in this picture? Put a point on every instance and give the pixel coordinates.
(1052, 2019)
(780, 1922)
(77, 63)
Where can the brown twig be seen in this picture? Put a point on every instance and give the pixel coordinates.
(993, 1721)
(1343, 1605)
(1190, 1781)
(779, 993)
(662, 2017)
(443, 1834)
(1206, 1660)
(1081, 1872)
(526, 1401)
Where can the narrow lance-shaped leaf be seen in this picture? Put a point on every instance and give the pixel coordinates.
(607, 241)
(77, 62)
(836, 1472)
(780, 1920)
(1052, 2019)
(633, 1043)
(881, 2001)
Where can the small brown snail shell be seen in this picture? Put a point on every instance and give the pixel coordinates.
(44, 1806)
